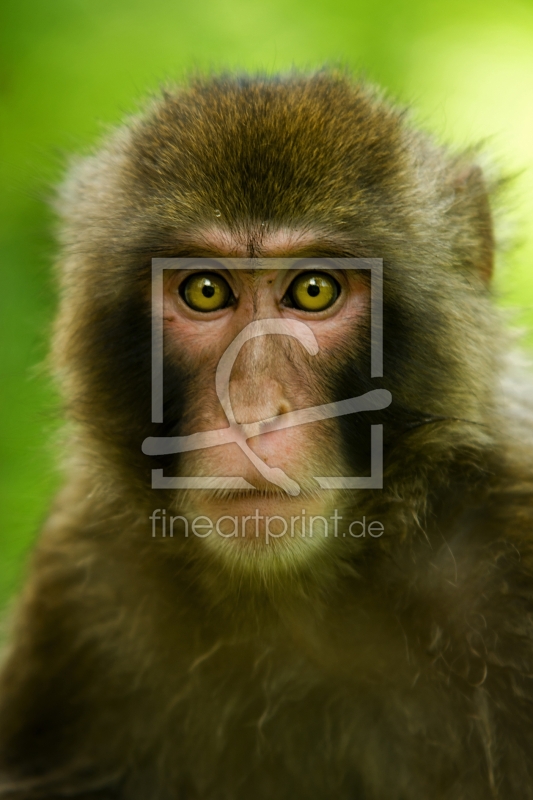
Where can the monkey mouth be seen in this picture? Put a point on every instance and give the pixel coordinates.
(262, 516)
(259, 490)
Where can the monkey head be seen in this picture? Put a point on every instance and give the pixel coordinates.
(290, 177)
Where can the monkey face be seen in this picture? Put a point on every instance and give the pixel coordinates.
(259, 340)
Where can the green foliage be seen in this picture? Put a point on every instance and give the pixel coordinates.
(70, 68)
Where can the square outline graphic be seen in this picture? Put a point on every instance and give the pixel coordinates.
(151, 444)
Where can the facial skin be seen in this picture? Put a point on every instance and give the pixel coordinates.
(272, 375)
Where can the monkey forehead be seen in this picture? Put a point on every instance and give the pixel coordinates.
(280, 149)
(257, 241)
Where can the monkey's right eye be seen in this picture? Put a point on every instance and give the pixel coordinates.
(206, 292)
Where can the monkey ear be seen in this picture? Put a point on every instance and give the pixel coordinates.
(471, 206)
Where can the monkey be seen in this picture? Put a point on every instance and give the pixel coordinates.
(170, 643)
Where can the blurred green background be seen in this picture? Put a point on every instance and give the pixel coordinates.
(70, 68)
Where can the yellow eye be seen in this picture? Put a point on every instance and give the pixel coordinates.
(314, 291)
(206, 292)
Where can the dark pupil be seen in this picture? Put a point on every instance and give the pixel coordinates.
(207, 290)
(313, 289)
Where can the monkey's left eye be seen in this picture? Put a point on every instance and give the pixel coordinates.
(313, 291)
(206, 292)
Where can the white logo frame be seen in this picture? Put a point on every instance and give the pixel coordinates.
(239, 433)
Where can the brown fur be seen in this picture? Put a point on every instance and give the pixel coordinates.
(394, 669)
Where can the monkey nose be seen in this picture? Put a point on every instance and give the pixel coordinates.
(258, 403)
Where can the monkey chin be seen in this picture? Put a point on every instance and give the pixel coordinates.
(265, 530)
